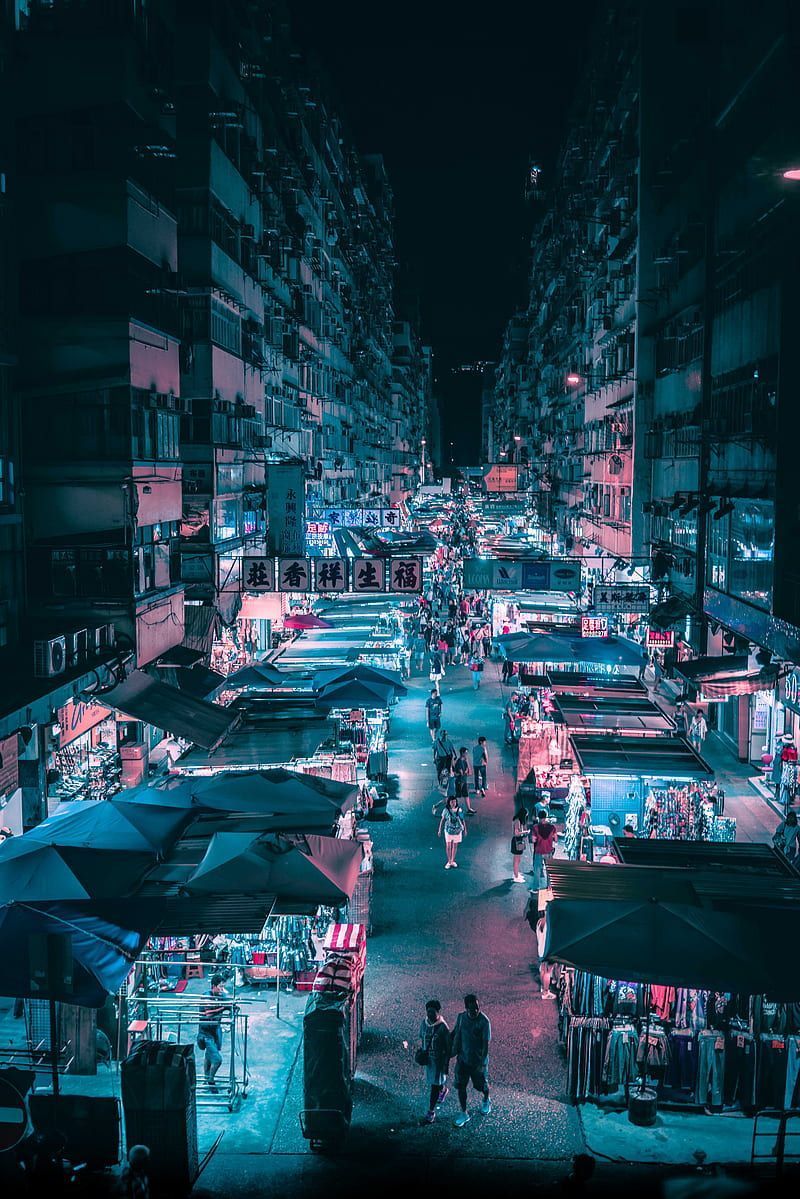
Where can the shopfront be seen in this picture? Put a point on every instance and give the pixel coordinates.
(83, 761)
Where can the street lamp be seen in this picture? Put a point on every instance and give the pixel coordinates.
(573, 379)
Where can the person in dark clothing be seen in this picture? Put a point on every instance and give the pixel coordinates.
(433, 712)
(444, 752)
(434, 1038)
(461, 770)
(209, 1031)
(470, 1048)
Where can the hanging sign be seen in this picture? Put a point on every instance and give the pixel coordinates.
(521, 574)
(660, 638)
(294, 574)
(330, 574)
(405, 574)
(594, 626)
(369, 574)
(621, 597)
(78, 717)
(319, 535)
(791, 691)
(258, 574)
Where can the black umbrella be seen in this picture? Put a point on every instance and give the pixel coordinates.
(307, 869)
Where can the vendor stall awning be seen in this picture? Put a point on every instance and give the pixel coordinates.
(719, 677)
(143, 698)
(250, 748)
(674, 927)
(624, 714)
(665, 758)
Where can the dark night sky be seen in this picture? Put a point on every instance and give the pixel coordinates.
(458, 111)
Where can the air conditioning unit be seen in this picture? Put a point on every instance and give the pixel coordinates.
(49, 657)
(77, 646)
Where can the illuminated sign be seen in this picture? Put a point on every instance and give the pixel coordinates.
(660, 638)
(621, 597)
(594, 626)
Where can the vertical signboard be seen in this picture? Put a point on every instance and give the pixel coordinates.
(286, 507)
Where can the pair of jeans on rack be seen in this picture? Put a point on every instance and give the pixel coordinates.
(772, 1071)
(682, 1069)
(740, 1069)
(619, 1067)
(710, 1067)
(586, 1045)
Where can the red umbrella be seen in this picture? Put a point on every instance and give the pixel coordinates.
(306, 620)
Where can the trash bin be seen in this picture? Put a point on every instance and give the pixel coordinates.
(158, 1101)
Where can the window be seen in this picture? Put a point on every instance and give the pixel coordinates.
(740, 552)
(6, 482)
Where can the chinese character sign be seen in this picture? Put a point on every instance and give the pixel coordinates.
(405, 574)
(660, 638)
(294, 574)
(391, 518)
(330, 574)
(258, 574)
(286, 507)
(621, 597)
(594, 626)
(369, 574)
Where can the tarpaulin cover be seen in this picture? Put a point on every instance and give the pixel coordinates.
(327, 1083)
(103, 953)
(144, 698)
(306, 620)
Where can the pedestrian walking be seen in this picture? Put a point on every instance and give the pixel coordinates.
(480, 765)
(681, 724)
(434, 1055)
(461, 771)
(444, 753)
(476, 667)
(518, 836)
(698, 730)
(470, 1047)
(209, 1030)
(436, 668)
(454, 829)
(543, 841)
(433, 712)
(785, 837)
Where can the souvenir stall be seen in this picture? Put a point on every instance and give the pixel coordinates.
(659, 786)
(365, 732)
(665, 999)
(544, 612)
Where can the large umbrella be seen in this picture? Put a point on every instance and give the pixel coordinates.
(276, 792)
(262, 675)
(114, 825)
(532, 647)
(32, 870)
(355, 694)
(306, 620)
(360, 672)
(102, 952)
(309, 869)
(609, 651)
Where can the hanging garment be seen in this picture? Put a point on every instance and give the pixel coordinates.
(792, 1093)
(740, 1069)
(662, 1000)
(681, 1071)
(586, 1045)
(652, 1054)
(771, 1071)
(619, 1066)
(710, 1068)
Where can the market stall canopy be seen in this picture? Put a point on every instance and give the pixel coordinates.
(32, 871)
(356, 694)
(276, 792)
(674, 928)
(144, 698)
(360, 672)
(744, 858)
(309, 869)
(102, 952)
(529, 647)
(114, 825)
(258, 748)
(719, 677)
(609, 651)
(633, 757)
(306, 620)
(262, 675)
(620, 714)
(580, 683)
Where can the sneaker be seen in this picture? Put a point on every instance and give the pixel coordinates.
(518, 879)
(447, 865)
(486, 1105)
(548, 995)
(461, 1119)
(472, 811)
(454, 865)
(429, 1117)
(443, 1095)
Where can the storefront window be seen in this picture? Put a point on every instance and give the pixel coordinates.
(227, 519)
(717, 557)
(752, 542)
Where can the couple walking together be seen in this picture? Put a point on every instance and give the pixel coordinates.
(468, 1043)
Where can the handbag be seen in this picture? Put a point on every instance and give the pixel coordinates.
(422, 1057)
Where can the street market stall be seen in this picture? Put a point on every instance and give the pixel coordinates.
(706, 1015)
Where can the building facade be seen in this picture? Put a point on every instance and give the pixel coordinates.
(198, 336)
(659, 414)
